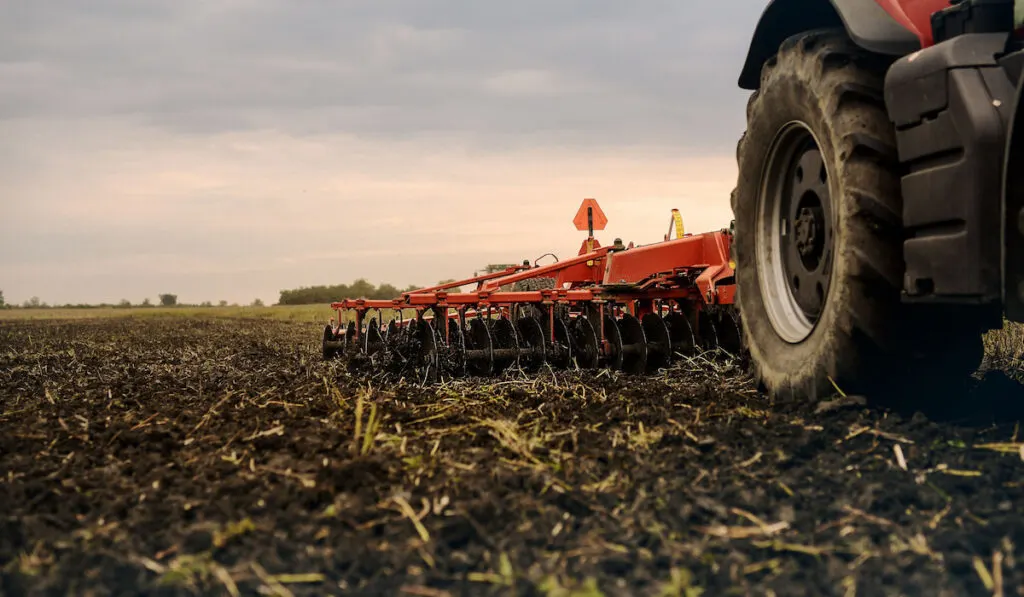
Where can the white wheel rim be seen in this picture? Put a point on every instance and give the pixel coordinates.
(789, 320)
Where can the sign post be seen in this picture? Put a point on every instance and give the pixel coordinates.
(589, 217)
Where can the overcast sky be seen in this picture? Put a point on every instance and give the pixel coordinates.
(228, 149)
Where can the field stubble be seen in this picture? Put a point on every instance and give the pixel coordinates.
(182, 456)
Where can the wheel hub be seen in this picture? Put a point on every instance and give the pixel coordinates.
(806, 228)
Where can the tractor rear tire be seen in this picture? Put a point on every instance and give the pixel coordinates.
(819, 254)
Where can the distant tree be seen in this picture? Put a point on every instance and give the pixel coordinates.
(222, 304)
(361, 288)
(2, 303)
(168, 300)
(326, 294)
(147, 303)
(386, 291)
(33, 303)
(206, 304)
(124, 304)
(257, 303)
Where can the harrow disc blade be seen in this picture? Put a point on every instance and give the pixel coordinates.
(584, 343)
(399, 338)
(707, 331)
(332, 347)
(532, 337)
(680, 334)
(427, 361)
(730, 332)
(372, 339)
(659, 343)
(506, 344)
(532, 311)
(349, 339)
(634, 345)
(479, 348)
(454, 359)
(613, 344)
(561, 350)
(453, 328)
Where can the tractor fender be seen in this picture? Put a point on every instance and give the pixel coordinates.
(865, 21)
(1013, 210)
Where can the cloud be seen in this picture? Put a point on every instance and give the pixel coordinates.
(275, 143)
(599, 72)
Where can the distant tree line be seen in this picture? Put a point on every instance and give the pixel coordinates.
(311, 295)
(314, 295)
(165, 300)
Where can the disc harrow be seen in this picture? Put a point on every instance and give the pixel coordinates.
(634, 309)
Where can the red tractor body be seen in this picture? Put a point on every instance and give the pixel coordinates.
(915, 16)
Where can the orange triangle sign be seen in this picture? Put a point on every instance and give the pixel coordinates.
(600, 220)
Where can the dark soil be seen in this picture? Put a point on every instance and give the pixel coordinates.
(217, 457)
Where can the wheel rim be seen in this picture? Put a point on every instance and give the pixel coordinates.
(795, 233)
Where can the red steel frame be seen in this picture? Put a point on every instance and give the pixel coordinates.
(694, 269)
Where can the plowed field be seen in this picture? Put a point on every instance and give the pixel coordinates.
(178, 456)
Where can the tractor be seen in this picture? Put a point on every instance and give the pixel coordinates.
(879, 230)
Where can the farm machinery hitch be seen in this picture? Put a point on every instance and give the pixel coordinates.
(629, 308)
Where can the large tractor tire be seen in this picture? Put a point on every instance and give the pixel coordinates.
(818, 238)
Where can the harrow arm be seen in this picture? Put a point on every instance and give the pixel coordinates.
(478, 280)
(575, 270)
(485, 298)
